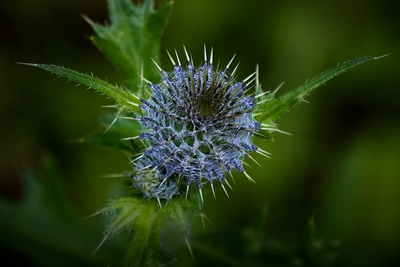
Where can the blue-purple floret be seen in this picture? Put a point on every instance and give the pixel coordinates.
(183, 145)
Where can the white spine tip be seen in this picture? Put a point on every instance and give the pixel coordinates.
(187, 191)
(212, 188)
(170, 58)
(226, 193)
(177, 58)
(158, 67)
(186, 54)
(201, 195)
(211, 56)
(230, 62)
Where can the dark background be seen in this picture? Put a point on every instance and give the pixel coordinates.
(341, 165)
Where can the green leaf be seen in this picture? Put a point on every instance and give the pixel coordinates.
(145, 219)
(275, 107)
(132, 39)
(176, 210)
(125, 100)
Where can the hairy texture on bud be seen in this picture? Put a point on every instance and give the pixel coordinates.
(197, 126)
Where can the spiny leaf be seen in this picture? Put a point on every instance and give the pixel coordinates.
(274, 108)
(133, 39)
(145, 218)
(126, 101)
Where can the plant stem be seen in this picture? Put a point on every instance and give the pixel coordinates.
(145, 243)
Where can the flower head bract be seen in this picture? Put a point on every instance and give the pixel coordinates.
(197, 126)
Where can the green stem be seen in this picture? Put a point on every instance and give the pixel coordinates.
(146, 237)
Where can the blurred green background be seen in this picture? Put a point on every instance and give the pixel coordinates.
(341, 166)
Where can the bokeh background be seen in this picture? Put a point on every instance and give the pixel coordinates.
(341, 166)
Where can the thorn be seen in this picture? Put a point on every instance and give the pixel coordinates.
(230, 62)
(279, 87)
(86, 18)
(262, 154)
(109, 106)
(133, 104)
(202, 219)
(246, 164)
(162, 182)
(265, 100)
(259, 95)
(132, 161)
(265, 152)
(177, 58)
(268, 127)
(112, 123)
(187, 191)
(226, 181)
(94, 214)
(203, 215)
(232, 177)
(130, 118)
(158, 67)
(205, 53)
(159, 203)
(253, 160)
(258, 134)
(188, 245)
(252, 80)
(201, 195)
(145, 168)
(135, 96)
(248, 77)
(257, 76)
(101, 243)
(170, 58)
(27, 64)
(152, 170)
(211, 55)
(223, 187)
(234, 71)
(248, 177)
(378, 57)
(186, 53)
(212, 188)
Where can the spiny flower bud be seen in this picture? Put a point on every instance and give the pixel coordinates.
(197, 126)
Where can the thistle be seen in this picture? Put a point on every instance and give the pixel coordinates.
(197, 126)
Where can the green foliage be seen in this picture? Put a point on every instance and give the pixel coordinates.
(253, 247)
(272, 108)
(114, 133)
(44, 225)
(125, 101)
(145, 218)
(130, 41)
(133, 39)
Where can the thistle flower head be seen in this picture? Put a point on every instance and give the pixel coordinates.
(197, 126)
